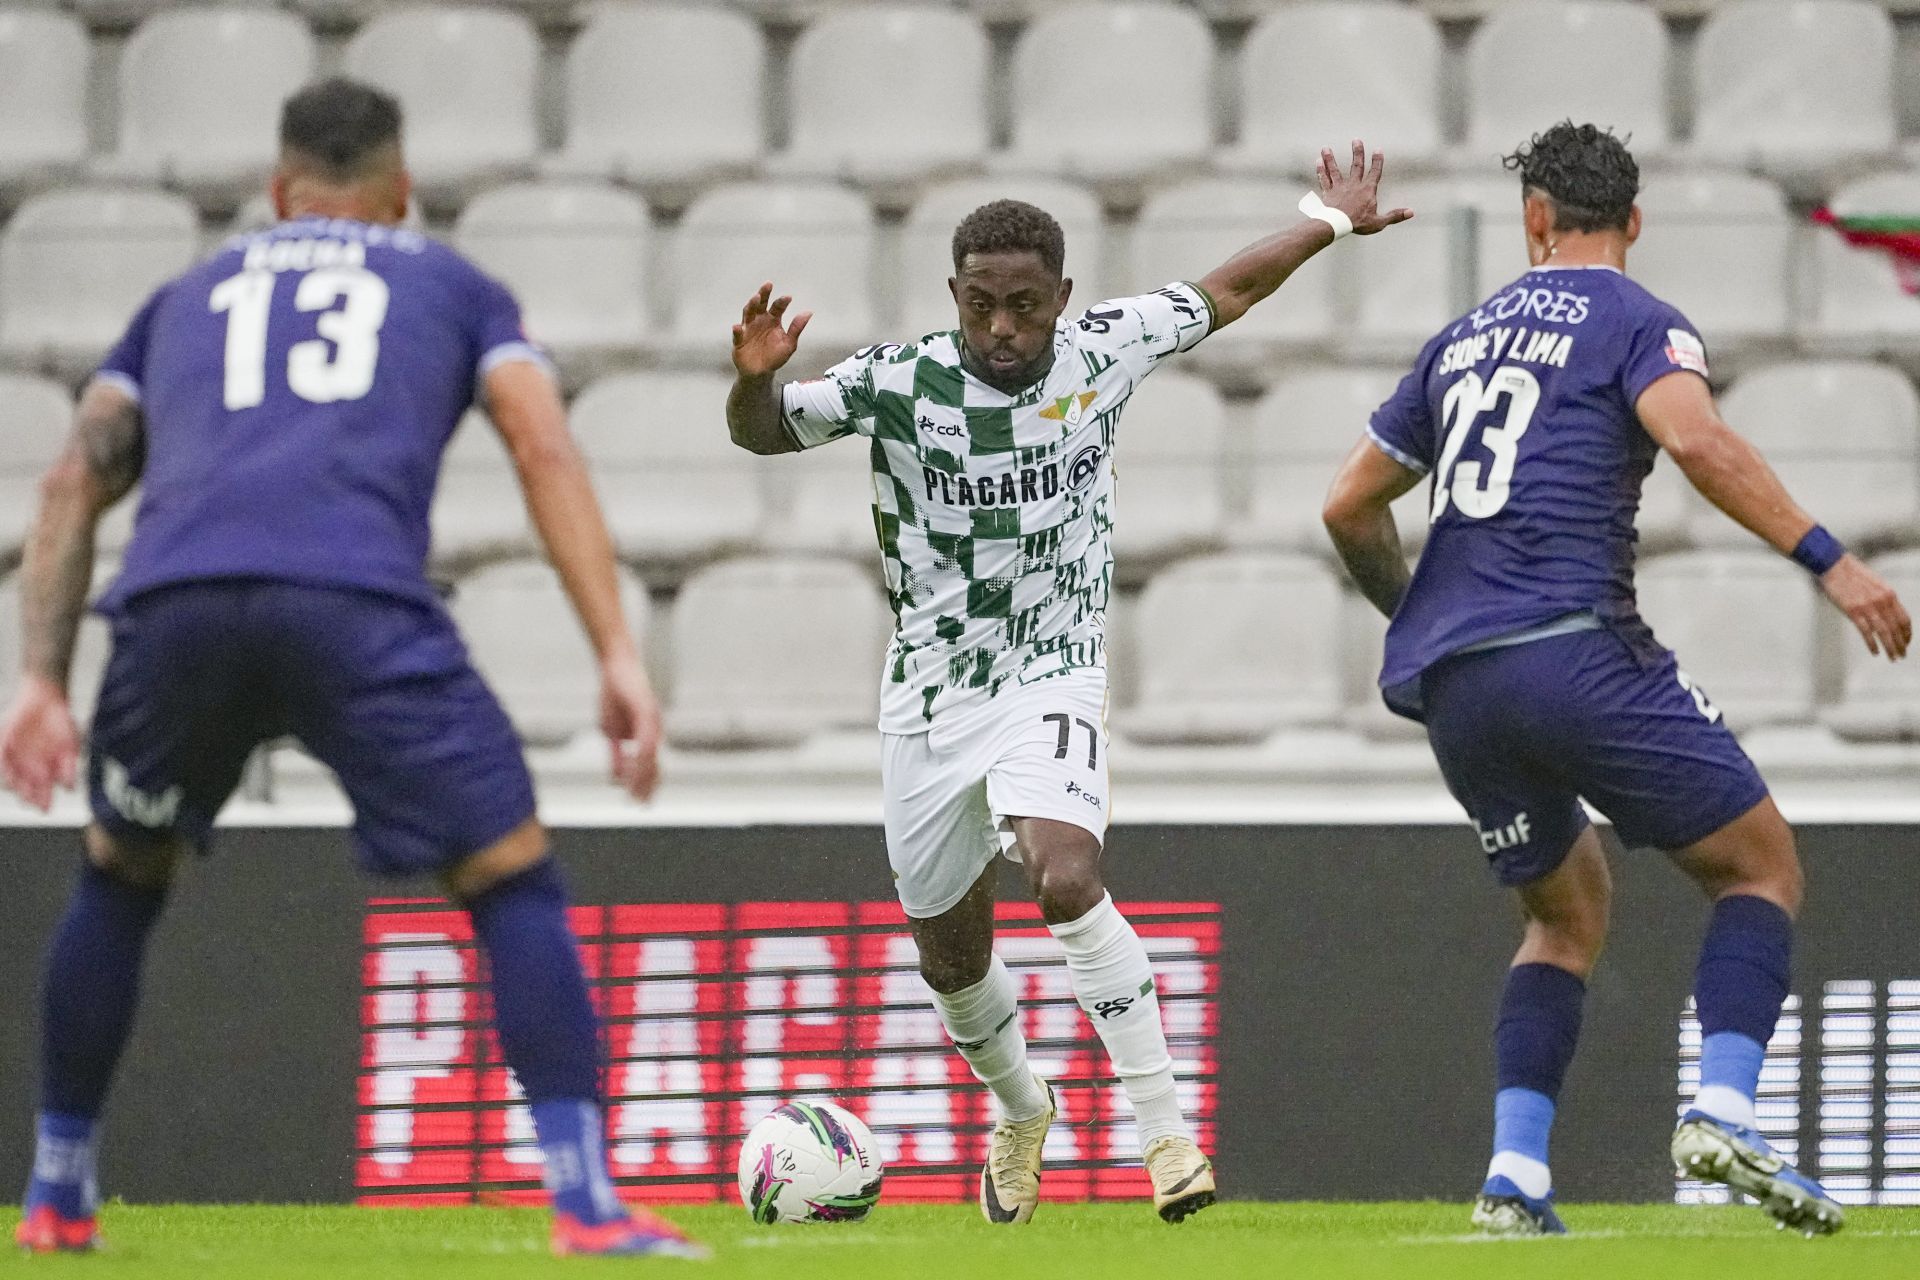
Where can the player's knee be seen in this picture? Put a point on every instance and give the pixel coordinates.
(147, 864)
(1067, 888)
(948, 973)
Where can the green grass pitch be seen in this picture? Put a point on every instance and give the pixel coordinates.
(907, 1242)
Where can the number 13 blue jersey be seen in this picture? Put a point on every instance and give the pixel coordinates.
(1522, 412)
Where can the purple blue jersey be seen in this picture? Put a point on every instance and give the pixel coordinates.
(1522, 412)
(298, 389)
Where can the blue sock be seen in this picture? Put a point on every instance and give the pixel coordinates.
(1534, 1040)
(1741, 982)
(91, 989)
(548, 1032)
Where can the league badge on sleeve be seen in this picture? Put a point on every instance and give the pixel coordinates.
(1685, 351)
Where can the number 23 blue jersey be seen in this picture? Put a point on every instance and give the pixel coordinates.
(1522, 412)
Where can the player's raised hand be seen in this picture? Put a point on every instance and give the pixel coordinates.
(39, 743)
(1865, 597)
(630, 717)
(763, 341)
(1356, 192)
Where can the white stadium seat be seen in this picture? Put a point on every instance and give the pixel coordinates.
(576, 256)
(35, 417)
(1598, 61)
(663, 94)
(200, 92)
(884, 93)
(75, 265)
(826, 499)
(815, 242)
(525, 641)
(478, 510)
(43, 94)
(1720, 247)
(1415, 279)
(1858, 300)
(465, 78)
(1881, 699)
(1323, 72)
(1230, 648)
(1186, 231)
(1170, 459)
(1112, 91)
(1799, 87)
(1742, 623)
(1668, 507)
(1303, 428)
(1844, 436)
(926, 244)
(769, 652)
(673, 484)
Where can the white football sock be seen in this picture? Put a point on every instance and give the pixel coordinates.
(984, 1023)
(1113, 982)
(1532, 1177)
(1726, 1104)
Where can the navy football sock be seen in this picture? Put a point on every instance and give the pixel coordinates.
(548, 1032)
(1534, 1041)
(87, 1005)
(1738, 988)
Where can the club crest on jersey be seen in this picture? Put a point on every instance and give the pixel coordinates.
(1084, 467)
(1070, 409)
(1684, 351)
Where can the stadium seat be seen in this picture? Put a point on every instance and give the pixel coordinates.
(1170, 461)
(663, 94)
(1668, 507)
(1112, 91)
(43, 94)
(1302, 429)
(1743, 625)
(200, 91)
(923, 69)
(815, 242)
(926, 244)
(1265, 656)
(1411, 281)
(1844, 436)
(1321, 72)
(1186, 231)
(1858, 301)
(673, 484)
(575, 254)
(479, 512)
(768, 652)
(1801, 88)
(466, 79)
(826, 500)
(75, 264)
(1719, 246)
(1881, 698)
(524, 639)
(35, 416)
(1603, 61)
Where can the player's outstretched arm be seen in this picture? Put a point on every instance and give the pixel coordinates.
(1359, 518)
(1260, 268)
(762, 343)
(1678, 412)
(525, 406)
(39, 742)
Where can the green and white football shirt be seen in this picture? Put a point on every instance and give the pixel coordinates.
(994, 511)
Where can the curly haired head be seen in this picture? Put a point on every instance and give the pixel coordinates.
(1585, 170)
(1011, 226)
(341, 128)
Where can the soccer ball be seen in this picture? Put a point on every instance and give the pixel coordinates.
(809, 1162)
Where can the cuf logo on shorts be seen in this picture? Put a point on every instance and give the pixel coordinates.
(137, 806)
(1511, 836)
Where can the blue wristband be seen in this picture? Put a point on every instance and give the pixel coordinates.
(1819, 551)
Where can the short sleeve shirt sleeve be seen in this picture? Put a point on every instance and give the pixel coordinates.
(1151, 326)
(500, 335)
(1402, 428)
(838, 403)
(126, 365)
(1662, 342)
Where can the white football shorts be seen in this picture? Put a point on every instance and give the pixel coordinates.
(1031, 751)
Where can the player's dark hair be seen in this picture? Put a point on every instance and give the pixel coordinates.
(1588, 173)
(340, 127)
(1011, 226)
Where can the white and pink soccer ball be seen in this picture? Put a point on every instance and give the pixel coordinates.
(809, 1162)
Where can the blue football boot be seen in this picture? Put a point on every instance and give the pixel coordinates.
(1503, 1209)
(1715, 1151)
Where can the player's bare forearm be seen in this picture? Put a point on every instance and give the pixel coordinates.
(1359, 518)
(101, 463)
(1252, 274)
(1678, 412)
(753, 415)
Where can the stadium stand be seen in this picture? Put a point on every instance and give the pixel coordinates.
(1403, 293)
(1302, 428)
(34, 416)
(1169, 460)
(43, 95)
(1881, 701)
(825, 503)
(1858, 303)
(1743, 625)
(478, 513)
(1720, 247)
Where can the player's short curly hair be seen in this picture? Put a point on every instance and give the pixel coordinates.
(1011, 226)
(340, 126)
(1587, 172)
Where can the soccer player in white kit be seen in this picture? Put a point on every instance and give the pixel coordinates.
(992, 452)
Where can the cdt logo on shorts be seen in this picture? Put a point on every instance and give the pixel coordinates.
(1511, 836)
(1075, 789)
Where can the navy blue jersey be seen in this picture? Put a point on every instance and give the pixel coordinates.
(298, 389)
(1523, 413)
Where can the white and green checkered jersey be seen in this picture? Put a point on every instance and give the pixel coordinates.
(994, 511)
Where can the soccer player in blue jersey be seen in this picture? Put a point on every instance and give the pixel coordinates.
(284, 405)
(1516, 639)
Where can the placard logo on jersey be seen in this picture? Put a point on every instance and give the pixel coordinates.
(1685, 351)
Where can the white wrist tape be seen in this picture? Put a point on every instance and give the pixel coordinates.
(1311, 205)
